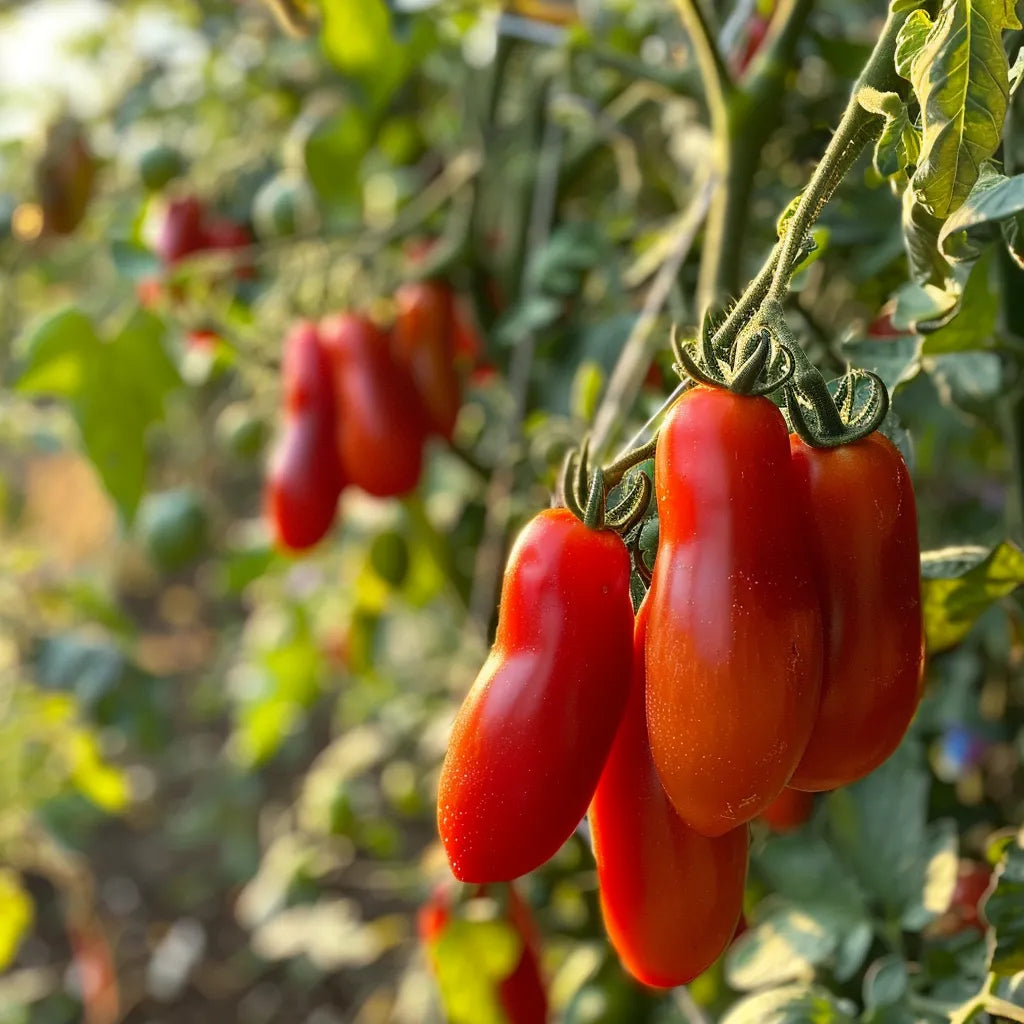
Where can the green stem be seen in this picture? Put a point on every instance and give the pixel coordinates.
(855, 130)
(751, 117)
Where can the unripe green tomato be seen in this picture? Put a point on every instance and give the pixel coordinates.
(284, 205)
(160, 165)
(172, 525)
(240, 432)
(389, 556)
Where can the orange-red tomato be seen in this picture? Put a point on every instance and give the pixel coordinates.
(670, 898)
(533, 734)
(181, 231)
(380, 426)
(788, 811)
(423, 343)
(306, 477)
(862, 534)
(734, 644)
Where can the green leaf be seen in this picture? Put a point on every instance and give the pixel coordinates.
(54, 354)
(357, 38)
(334, 151)
(116, 389)
(793, 1004)
(471, 959)
(921, 239)
(899, 145)
(961, 583)
(1003, 913)
(16, 914)
(994, 199)
(879, 828)
(910, 42)
(895, 360)
(939, 880)
(961, 80)
(886, 982)
(921, 304)
(974, 325)
(967, 378)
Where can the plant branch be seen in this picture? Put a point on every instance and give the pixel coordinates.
(856, 128)
(751, 116)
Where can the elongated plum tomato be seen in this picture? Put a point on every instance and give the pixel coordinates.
(734, 640)
(380, 429)
(863, 539)
(423, 341)
(788, 811)
(670, 897)
(533, 734)
(306, 476)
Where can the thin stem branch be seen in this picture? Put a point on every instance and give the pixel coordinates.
(751, 117)
(855, 130)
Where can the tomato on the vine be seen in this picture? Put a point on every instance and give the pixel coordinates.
(380, 429)
(534, 732)
(788, 811)
(734, 643)
(424, 344)
(862, 535)
(670, 897)
(306, 476)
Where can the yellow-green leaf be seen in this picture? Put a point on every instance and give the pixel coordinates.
(16, 914)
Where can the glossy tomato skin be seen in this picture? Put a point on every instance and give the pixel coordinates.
(380, 429)
(423, 340)
(863, 539)
(788, 811)
(306, 476)
(533, 734)
(735, 637)
(670, 898)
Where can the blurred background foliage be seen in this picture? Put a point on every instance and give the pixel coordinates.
(218, 764)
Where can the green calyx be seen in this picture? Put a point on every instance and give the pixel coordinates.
(754, 363)
(585, 489)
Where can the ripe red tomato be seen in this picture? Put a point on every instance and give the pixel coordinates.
(862, 535)
(380, 429)
(97, 973)
(788, 811)
(521, 994)
(534, 732)
(670, 898)
(306, 477)
(735, 637)
(181, 232)
(423, 344)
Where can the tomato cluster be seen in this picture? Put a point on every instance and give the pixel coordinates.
(779, 645)
(189, 226)
(360, 403)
